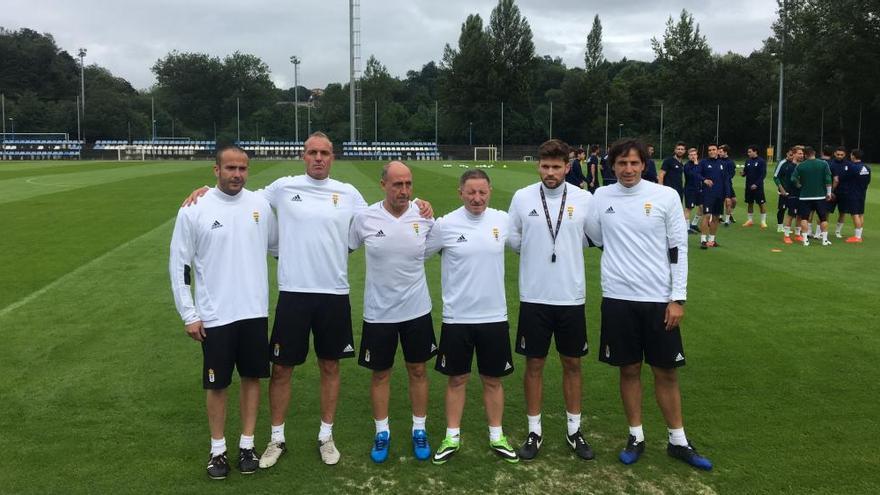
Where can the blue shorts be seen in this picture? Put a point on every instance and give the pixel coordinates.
(713, 204)
(692, 198)
(855, 204)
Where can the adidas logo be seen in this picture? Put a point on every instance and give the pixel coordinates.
(380, 234)
(216, 225)
(507, 365)
(462, 238)
(348, 348)
(610, 210)
(296, 198)
(533, 213)
(679, 357)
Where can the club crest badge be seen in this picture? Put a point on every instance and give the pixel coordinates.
(416, 228)
(570, 212)
(496, 233)
(211, 375)
(648, 207)
(335, 199)
(256, 217)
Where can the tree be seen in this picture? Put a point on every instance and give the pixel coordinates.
(593, 56)
(512, 53)
(464, 82)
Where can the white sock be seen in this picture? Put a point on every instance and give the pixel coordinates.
(858, 233)
(726, 218)
(676, 437)
(787, 231)
(382, 425)
(797, 231)
(535, 424)
(751, 217)
(839, 228)
(818, 229)
(763, 218)
(703, 238)
(419, 422)
(573, 422)
(325, 432)
(246, 442)
(277, 433)
(711, 238)
(218, 446)
(824, 236)
(495, 433)
(637, 432)
(454, 434)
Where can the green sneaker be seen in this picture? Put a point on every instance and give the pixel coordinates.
(447, 449)
(504, 450)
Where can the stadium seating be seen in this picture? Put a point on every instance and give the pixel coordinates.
(272, 149)
(390, 150)
(40, 149)
(159, 148)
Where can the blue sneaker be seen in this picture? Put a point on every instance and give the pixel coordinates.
(379, 452)
(689, 455)
(421, 449)
(633, 450)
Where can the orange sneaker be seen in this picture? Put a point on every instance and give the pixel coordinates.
(799, 238)
(763, 225)
(786, 240)
(854, 240)
(748, 223)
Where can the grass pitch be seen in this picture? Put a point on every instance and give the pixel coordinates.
(101, 389)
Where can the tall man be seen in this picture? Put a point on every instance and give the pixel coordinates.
(397, 305)
(222, 242)
(813, 178)
(650, 172)
(713, 175)
(672, 170)
(547, 228)
(837, 165)
(789, 191)
(781, 200)
(730, 169)
(575, 175)
(755, 171)
(313, 286)
(593, 168)
(607, 171)
(856, 177)
(471, 242)
(693, 190)
(644, 287)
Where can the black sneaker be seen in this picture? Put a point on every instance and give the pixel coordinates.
(218, 467)
(633, 450)
(688, 454)
(530, 447)
(580, 446)
(703, 245)
(248, 461)
(732, 220)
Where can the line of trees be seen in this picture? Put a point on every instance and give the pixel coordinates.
(830, 50)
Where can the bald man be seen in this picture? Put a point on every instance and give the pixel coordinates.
(397, 305)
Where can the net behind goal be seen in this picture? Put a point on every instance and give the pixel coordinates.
(486, 153)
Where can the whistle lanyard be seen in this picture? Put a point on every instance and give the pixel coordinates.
(554, 233)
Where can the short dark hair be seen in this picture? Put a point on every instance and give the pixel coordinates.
(857, 153)
(554, 148)
(827, 150)
(624, 146)
(809, 151)
(473, 173)
(228, 147)
(724, 148)
(841, 148)
(580, 151)
(594, 148)
(711, 144)
(680, 143)
(753, 147)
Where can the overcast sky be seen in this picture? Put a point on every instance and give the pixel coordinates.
(127, 37)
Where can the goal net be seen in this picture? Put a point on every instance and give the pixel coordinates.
(486, 153)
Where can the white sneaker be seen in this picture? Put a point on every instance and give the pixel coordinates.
(838, 235)
(806, 241)
(780, 228)
(328, 451)
(826, 242)
(272, 453)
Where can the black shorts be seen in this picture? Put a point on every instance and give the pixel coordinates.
(791, 205)
(713, 205)
(327, 316)
(806, 207)
(855, 204)
(241, 344)
(379, 342)
(538, 322)
(730, 188)
(692, 198)
(457, 344)
(756, 196)
(634, 331)
(840, 200)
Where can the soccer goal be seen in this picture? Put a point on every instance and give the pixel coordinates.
(486, 153)
(131, 152)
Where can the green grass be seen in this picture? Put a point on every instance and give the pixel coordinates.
(101, 390)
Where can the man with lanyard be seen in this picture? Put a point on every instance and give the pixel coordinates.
(223, 243)
(313, 287)
(644, 287)
(397, 305)
(672, 171)
(547, 229)
(755, 172)
(471, 242)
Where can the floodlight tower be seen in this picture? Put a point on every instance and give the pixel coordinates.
(295, 61)
(82, 80)
(354, 26)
